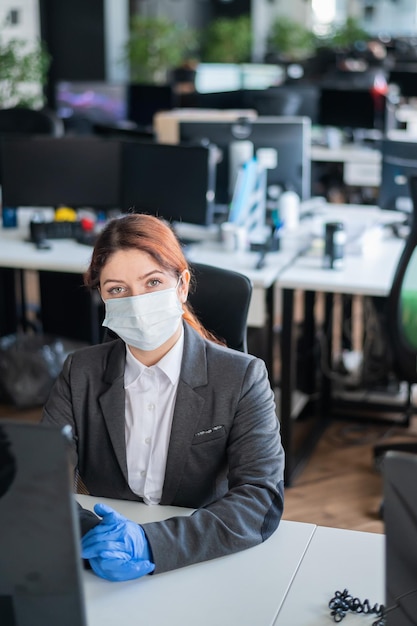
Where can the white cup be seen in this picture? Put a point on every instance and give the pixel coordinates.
(234, 237)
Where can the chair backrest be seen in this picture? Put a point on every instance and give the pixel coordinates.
(402, 303)
(24, 121)
(221, 301)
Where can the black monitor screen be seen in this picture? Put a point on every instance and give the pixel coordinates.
(143, 101)
(351, 108)
(299, 100)
(174, 182)
(406, 81)
(53, 171)
(399, 162)
(97, 102)
(40, 561)
(288, 137)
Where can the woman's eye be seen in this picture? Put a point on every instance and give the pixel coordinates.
(115, 291)
(154, 282)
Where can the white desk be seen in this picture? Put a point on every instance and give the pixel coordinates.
(335, 560)
(246, 588)
(369, 274)
(346, 153)
(362, 274)
(286, 581)
(213, 253)
(65, 255)
(69, 257)
(361, 165)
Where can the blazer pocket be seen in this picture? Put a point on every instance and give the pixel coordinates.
(215, 432)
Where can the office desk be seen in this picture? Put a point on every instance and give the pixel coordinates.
(65, 255)
(262, 310)
(262, 280)
(246, 588)
(70, 310)
(361, 165)
(286, 581)
(335, 560)
(370, 274)
(68, 256)
(73, 312)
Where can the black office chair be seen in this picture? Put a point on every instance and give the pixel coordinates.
(401, 324)
(221, 302)
(24, 121)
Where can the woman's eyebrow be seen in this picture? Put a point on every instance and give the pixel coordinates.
(143, 277)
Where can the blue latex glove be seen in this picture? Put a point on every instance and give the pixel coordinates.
(117, 548)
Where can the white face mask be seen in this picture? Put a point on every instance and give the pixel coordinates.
(145, 321)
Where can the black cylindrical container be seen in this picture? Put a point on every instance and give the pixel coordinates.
(334, 245)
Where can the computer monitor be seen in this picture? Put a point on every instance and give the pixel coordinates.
(233, 99)
(290, 100)
(172, 181)
(97, 102)
(40, 560)
(217, 77)
(144, 100)
(351, 108)
(288, 137)
(261, 75)
(399, 162)
(405, 79)
(77, 171)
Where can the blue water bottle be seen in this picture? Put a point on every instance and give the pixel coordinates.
(9, 217)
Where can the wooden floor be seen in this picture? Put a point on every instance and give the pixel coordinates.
(339, 485)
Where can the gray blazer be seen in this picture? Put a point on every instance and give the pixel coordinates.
(225, 457)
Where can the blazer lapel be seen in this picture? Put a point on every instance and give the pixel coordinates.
(112, 403)
(188, 408)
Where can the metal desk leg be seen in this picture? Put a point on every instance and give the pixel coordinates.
(306, 375)
(9, 301)
(296, 457)
(270, 335)
(287, 379)
(326, 383)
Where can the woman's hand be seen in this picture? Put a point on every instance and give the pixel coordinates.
(117, 548)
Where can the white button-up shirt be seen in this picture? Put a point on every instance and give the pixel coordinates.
(150, 394)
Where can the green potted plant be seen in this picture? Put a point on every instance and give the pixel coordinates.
(290, 40)
(23, 74)
(156, 45)
(227, 40)
(346, 35)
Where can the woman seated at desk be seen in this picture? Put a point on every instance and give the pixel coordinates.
(166, 415)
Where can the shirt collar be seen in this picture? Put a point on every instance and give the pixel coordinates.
(170, 364)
